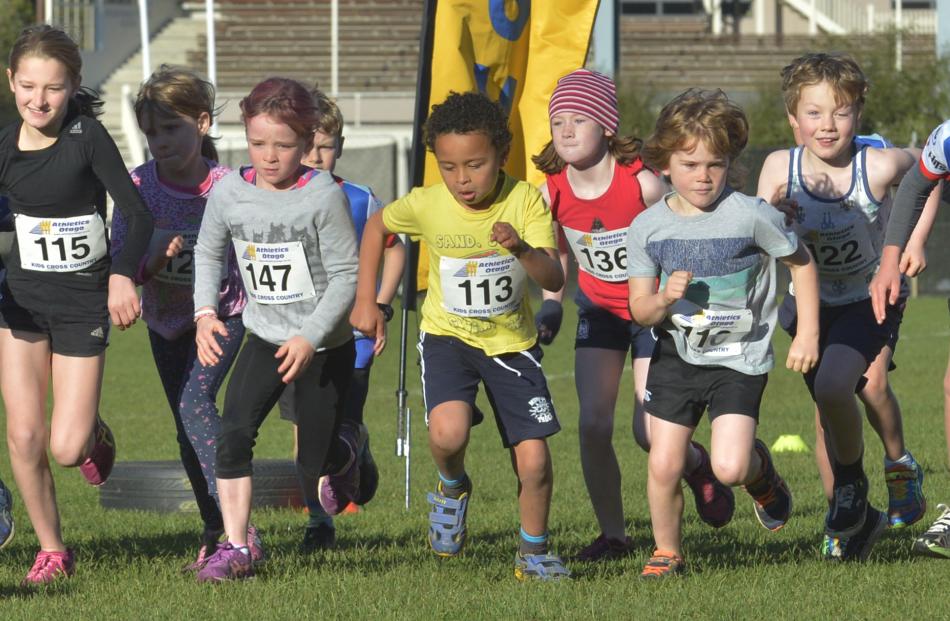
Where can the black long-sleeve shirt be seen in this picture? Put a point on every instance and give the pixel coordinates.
(68, 179)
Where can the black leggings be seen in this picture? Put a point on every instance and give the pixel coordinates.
(255, 387)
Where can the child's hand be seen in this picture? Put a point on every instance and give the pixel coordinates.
(913, 260)
(789, 207)
(676, 286)
(297, 354)
(506, 237)
(802, 354)
(380, 344)
(209, 352)
(123, 301)
(172, 245)
(368, 319)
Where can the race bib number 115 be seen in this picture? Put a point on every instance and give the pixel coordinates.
(60, 244)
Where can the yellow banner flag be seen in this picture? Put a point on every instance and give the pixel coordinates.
(514, 51)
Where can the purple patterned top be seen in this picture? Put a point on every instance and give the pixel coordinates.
(167, 300)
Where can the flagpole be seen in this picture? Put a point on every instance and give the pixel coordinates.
(417, 175)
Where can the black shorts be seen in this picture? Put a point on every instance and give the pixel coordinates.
(852, 325)
(679, 392)
(514, 383)
(76, 321)
(599, 328)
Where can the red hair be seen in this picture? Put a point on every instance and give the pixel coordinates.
(285, 100)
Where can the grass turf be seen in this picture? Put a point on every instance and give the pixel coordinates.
(129, 562)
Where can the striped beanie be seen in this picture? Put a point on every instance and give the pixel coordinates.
(588, 93)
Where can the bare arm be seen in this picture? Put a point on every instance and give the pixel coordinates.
(394, 261)
(649, 307)
(366, 316)
(803, 352)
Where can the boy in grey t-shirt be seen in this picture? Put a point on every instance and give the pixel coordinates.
(713, 252)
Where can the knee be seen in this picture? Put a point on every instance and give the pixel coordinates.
(664, 469)
(832, 391)
(67, 451)
(447, 435)
(27, 443)
(876, 388)
(234, 453)
(731, 470)
(595, 430)
(535, 471)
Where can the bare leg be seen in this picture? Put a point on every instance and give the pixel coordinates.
(449, 426)
(532, 463)
(235, 498)
(881, 406)
(668, 449)
(734, 458)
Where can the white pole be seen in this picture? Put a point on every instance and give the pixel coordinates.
(335, 48)
(143, 31)
(812, 18)
(717, 17)
(899, 39)
(871, 27)
(760, 17)
(48, 11)
(209, 35)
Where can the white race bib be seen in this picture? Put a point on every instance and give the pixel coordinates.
(714, 333)
(180, 269)
(839, 253)
(274, 273)
(602, 255)
(60, 244)
(481, 287)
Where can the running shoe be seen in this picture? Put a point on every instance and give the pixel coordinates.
(906, 504)
(6, 515)
(543, 567)
(447, 532)
(369, 476)
(936, 541)
(255, 544)
(50, 566)
(338, 490)
(605, 549)
(715, 502)
(772, 500)
(848, 509)
(209, 543)
(319, 537)
(663, 565)
(98, 466)
(858, 546)
(227, 563)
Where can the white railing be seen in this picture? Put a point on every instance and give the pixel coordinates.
(130, 129)
(839, 17)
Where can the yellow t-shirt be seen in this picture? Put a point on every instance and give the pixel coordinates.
(477, 290)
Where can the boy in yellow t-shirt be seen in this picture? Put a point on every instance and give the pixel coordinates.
(486, 233)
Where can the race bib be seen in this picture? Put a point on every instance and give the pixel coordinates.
(602, 255)
(481, 287)
(180, 269)
(60, 244)
(837, 253)
(714, 333)
(275, 273)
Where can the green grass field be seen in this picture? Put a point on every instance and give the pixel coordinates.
(128, 562)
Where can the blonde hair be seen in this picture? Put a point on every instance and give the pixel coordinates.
(172, 91)
(699, 115)
(840, 71)
(624, 149)
(331, 119)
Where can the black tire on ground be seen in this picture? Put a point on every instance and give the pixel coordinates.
(163, 486)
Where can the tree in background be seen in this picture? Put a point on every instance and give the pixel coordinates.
(14, 16)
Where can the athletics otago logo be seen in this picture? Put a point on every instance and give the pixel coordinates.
(587, 240)
(469, 271)
(250, 252)
(43, 228)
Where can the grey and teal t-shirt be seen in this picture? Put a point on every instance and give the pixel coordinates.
(728, 314)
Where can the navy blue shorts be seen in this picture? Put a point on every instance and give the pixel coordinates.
(599, 328)
(514, 384)
(679, 392)
(852, 325)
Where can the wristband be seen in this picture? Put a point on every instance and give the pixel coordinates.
(205, 312)
(387, 311)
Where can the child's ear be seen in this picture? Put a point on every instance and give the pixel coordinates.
(204, 123)
(504, 156)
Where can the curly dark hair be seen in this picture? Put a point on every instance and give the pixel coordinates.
(466, 113)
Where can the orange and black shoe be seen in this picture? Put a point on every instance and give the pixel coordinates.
(663, 565)
(771, 497)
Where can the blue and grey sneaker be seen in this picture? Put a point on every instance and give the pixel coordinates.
(544, 567)
(6, 515)
(906, 503)
(447, 531)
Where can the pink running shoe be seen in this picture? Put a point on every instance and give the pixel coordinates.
(98, 466)
(715, 502)
(227, 563)
(338, 490)
(50, 566)
(256, 545)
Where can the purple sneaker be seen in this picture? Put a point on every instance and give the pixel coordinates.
(338, 490)
(227, 563)
(98, 466)
(255, 544)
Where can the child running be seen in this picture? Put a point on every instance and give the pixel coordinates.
(713, 250)
(917, 197)
(291, 231)
(487, 234)
(174, 109)
(839, 191)
(61, 286)
(596, 185)
(320, 532)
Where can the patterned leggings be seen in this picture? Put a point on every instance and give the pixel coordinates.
(191, 390)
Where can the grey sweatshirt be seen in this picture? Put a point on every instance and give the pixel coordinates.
(317, 216)
(912, 195)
